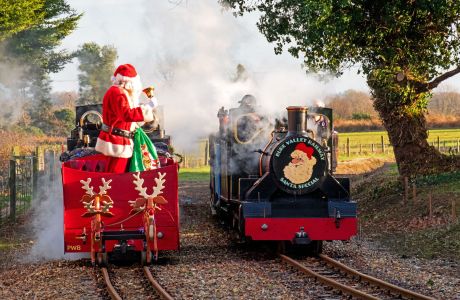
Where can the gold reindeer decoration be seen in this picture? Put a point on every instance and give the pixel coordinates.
(149, 203)
(97, 204)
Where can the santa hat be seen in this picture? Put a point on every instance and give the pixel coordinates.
(304, 148)
(126, 75)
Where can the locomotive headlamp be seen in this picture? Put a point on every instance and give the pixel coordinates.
(160, 235)
(264, 227)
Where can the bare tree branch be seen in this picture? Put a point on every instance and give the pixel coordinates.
(435, 82)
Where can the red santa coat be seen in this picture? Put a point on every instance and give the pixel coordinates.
(120, 111)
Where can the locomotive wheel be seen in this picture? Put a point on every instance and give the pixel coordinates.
(316, 248)
(281, 247)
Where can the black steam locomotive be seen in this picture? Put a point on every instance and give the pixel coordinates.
(89, 121)
(277, 184)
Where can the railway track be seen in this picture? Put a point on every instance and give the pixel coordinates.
(115, 296)
(329, 272)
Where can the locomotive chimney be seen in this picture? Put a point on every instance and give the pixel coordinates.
(297, 116)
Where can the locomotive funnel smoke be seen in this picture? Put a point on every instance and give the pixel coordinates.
(199, 58)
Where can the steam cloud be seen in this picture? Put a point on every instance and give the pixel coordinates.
(48, 219)
(189, 51)
(11, 83)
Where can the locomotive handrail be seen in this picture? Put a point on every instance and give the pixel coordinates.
(235, 130)
(263, 151)
(86, 113)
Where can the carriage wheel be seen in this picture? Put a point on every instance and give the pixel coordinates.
(102, 258)
(146, 258)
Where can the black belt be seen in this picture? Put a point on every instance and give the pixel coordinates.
(117, 131)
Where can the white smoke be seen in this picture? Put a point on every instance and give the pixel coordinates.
(189, 51)
(48, 219)
(11, 86)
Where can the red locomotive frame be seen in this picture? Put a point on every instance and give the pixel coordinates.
(106, 211)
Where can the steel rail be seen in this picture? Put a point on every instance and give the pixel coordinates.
(112, 292)
(328, 281)
(163, 293)
(382, 284)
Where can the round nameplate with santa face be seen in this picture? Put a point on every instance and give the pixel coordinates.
(298, 164)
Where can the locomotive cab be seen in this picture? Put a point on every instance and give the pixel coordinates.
(292, 195)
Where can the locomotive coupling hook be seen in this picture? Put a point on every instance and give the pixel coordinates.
(338, 217)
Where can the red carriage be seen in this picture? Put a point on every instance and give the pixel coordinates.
(118, 214)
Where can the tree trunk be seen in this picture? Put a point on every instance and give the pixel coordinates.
(403, 117)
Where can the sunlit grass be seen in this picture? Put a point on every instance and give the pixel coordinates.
(195, 174)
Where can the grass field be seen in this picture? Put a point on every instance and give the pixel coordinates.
(194, 174)
(375, 136)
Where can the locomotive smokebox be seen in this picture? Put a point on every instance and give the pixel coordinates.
(297, 120)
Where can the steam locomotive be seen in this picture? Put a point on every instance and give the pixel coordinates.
(276, 184)
(114, 215)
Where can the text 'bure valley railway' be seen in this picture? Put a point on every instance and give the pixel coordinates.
(281, 188)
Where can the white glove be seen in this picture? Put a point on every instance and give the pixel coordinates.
(153, 102)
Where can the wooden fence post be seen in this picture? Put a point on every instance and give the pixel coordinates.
(348, 147)
(206, 150)
(439, 144)
(12, 184)
(372, 147)
(51, 157)
(382, 143)
(35, 173)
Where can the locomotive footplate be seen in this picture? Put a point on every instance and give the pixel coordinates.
(123, 235)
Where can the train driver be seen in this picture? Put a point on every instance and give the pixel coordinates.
(120, 112)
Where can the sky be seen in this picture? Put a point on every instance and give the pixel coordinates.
(188, 50)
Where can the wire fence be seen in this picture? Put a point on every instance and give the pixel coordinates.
(19, 184)
(199, 155)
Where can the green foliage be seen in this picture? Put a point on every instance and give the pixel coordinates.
(19, 15)
(331, 35)
(96, 66)
(32, 130)
(66, 119)
(360, 116)
(35, 47)
(403, 47)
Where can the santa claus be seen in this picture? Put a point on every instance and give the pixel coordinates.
(300, 168)
(120, 112)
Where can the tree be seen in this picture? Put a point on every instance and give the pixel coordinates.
(96, 66)
(350, 102)
(403, 47)
(19, 15)
(36, 49)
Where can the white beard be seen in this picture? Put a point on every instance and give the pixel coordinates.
(301, 172)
